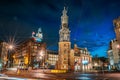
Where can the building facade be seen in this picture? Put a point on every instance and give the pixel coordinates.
(30, 52)
(51, 59)
(114, 51)
(4, 53)
(111, 59)
(82, 59)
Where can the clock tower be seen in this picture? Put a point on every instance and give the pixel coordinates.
(117, 29)
(64, 42)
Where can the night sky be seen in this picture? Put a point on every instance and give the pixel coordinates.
(90, 21)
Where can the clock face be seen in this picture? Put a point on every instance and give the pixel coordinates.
(65, 25)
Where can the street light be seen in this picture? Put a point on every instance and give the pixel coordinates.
(10, 48)
(41, 57)
(11, 45)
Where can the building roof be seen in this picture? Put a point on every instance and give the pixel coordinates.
(52, 52)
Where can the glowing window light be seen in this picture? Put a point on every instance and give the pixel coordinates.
(84, 62)
(118, 46)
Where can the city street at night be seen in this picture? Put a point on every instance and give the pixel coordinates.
(59, 40)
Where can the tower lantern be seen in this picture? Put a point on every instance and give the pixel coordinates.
(64, 17)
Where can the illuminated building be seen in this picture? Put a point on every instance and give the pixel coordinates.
(82, 59)
(111, 59)
(52, 58)
(29, 52)
(64, 42)
(114, 54)
(115, 46)
(77, 59)
(100, 63)
(4, 53)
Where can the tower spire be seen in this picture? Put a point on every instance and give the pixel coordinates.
(64, 12)
(64, 31)
(39, 30)
(64, 17)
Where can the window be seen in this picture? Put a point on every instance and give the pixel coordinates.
(64, 58)
(64, 45)
(84, 52)
(64, 66)
(65, 51)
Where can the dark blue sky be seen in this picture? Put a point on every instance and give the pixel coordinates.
(90, 21)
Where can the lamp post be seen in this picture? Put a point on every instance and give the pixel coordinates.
(10, 48)
(42, 58)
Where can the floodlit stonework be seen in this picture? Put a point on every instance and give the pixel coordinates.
(114, 51)
(64, 42)
(77, 59)
(4, 53)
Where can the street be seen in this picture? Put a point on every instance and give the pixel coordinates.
(25, 75)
